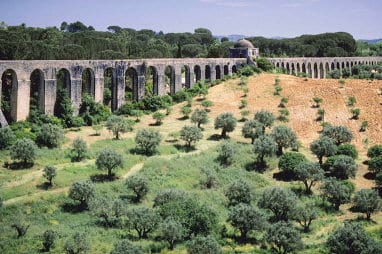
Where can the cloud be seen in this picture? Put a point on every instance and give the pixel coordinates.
(228, 3)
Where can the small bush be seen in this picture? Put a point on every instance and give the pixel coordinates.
(363, 126)
(24, 150)
(158, 117)
(7, 137)
(355, 113)
(374, 151)
(347, 149)
(50, 135)
(351, 101)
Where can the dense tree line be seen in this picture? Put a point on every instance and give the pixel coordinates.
(78, 41)
(321, 45)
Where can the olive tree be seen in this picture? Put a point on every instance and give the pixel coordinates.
(340, 134)
(246, 218)
(108, 159)
(288, 163)
(49, 173)
(227, 151)
(374, 151)
(226, 122)
(367, 201)
(284, 137)
(283, 238)
(126, 247)
(139, 185)
(266, 118)
(148, 140)
(279, 201)
(344, 167)
(352, 238)
(50, 135)
(108, 210)
(79, 243)
(143, 220)
(335, 192)
(48, 239)
(239, 192)
(203, 245)
(252, 129)
(304, 214)
(199, 116)
(375, 164)
(25, 151)
(171, 231)
(79, 149)
(264, 146)
(117, 125)
(190, 134)
(324, 146)
(6, 137)
(82, 192)
(309, 173)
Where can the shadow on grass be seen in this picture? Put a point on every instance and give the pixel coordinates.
(215, 137)
(283, 176)
(155, 124)
(44, 186)
(369, 176)
(257, 166)
(136, 150)
(183, 148)
(17, 165)
(183, 118)
(100, 178)
(70, 207)
(95, 135)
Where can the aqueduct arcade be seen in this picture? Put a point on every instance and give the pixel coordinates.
(38, 81)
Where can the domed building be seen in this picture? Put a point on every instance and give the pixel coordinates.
(243, 49)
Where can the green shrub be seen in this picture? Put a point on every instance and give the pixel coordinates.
(50, 135)
(147, 140)
(25, 151)
(289, 161)
(6, 137)
(347, 149)
(374, 151)
(203, 245)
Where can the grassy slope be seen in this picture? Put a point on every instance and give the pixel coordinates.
(43, 209)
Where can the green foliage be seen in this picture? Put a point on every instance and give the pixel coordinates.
(375, 164)
(25, 151)
(79, 243)
(266, 118)
(351, 238)
(207, 104)
(143, 220)
(283, 101)
(304, 214)
(126, 247)
(283, 238)
(147, 140)
(243, 104)
(355, 113)
(284, 137)
(117, 125)
(252, 129)
(279, 201)
(158, 117)
(48, 239)
(49, 173)
(108, 159)
(347, 149)
(139, 185)
(225, 121)
(186, 111)
(324, 146)
(320, 114)
(367, 201)
(171, 231)
(340, 134)
(289, 161)
(283, 115)
(374, 151)
(239, 192)
(351, 101)
(92, 112)
(309, 173)
(50, 135)
(335, 192)
(209, 179)
(79, 149)
(180, 96)
(107, 210)
(203, 245)
(264, 146)
(344, 167)
(264, 64)
(247, 71)
(227, 151)
(378, 179)
(7, 137)
(278, 89)
(363, 126)
(21, 228)
(317, 101)
(190, 134)
(82, 192)
(199, 116)
(63, 108)
(246, 218)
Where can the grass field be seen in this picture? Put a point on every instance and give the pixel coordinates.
(26, 198)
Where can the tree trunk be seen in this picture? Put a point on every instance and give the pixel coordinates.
(320, 160)
(368, 216)
(224, 133)
(280, 150)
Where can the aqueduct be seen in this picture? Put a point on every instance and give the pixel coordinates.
(133, 74)
(17, 76)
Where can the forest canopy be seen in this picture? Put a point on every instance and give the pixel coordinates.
(79, 41)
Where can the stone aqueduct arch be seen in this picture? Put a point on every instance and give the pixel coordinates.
(20, 86)
(319, 67)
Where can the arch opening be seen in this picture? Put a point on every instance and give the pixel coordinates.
(131, 85)
(8, 96)
(37, 92)
(110, 88)
(63, 93)
(151, 81)
(226, 70)
(88, 82)
(218, 72)
(207, 73)
(186, 76)
(170, 79)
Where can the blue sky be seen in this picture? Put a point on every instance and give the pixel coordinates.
(269, 18)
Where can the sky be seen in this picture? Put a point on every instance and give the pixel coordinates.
(268, 18)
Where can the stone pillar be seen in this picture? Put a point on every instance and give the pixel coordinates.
(20, 105)
(178, 81)
(313, 73)
(50, 95)
(120, 93)
(98, 87)
(161, 83)
(229, 71)
(213, 73)
(202, 74)
(191, 79)
(140, 88)
(76, 94)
